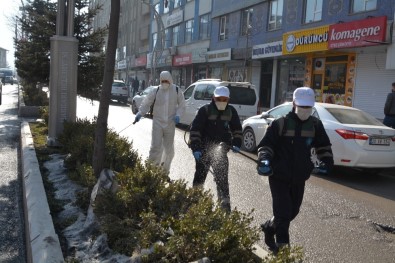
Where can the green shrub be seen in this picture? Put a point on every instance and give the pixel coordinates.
(44, 113)
(34, 96)
(78, 138)
(147, 206)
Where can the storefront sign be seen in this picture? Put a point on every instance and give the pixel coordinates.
(310, 40)
(159, 60)
(360, 33)
(199, 55)
(219, 55)
(122, 64)
(141, 61)
(272, 49)
(180, 60)
(175, 18)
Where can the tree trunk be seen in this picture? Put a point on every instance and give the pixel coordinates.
(105, 97)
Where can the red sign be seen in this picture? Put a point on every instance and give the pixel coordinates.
(367, 32)
(141, 61)
(180, 60)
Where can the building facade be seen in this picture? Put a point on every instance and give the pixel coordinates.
(343, 49)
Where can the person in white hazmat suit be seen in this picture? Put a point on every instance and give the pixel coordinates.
(168, 106)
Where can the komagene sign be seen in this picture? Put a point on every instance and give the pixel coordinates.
(360, 33)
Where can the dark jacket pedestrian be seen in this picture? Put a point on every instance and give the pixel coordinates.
(215, 130)
(284, 154)
(135, 86)
(389, 109)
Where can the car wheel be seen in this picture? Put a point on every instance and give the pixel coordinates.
(249, 142)
(134, 107)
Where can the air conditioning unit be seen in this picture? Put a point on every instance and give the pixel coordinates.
(173, 51)
(319, 63)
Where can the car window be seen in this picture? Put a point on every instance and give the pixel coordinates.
(280, 111)
(209, 92)
(242, 96)
(199, 91)
(349, 116)
(188, 92)
(118, 84)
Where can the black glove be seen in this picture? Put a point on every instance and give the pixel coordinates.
(264, 168)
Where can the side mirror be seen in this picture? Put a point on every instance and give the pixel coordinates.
(265, 115)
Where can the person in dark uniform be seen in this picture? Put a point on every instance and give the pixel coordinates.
(389, 109)
(284, 155)
(215, 130)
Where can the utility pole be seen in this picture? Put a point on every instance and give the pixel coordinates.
(63, 72)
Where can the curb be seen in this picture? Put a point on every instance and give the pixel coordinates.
(42, 242)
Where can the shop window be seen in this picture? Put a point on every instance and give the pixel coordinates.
(291, 76)
(363, 5)
(313, 11)
(276, 14)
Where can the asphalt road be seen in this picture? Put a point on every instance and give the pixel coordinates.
(347, 217)
(11, 208)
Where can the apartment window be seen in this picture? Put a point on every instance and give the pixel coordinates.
(166, 9)
(154, 39)
(223, 28)
(177, 3)
(363, 5)
(176, 36)
(167, 38)
(246, 21)
(275, 16)
(188, 31)
(313, 11)
(204, 26)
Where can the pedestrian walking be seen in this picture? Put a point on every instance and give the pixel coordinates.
(389, 109)
(284, 155)
(168, 105)
(135, 86)
(214, 131)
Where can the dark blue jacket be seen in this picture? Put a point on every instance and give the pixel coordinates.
(287, 144)
(213, 126)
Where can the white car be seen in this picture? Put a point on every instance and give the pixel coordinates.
(119, 91)
(358, 139)
(243, 97)
(138, 98)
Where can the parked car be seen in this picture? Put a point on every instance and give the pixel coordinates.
(358, 139)
(136, 101)
(1, 91)
(243, 97)
(119, 91)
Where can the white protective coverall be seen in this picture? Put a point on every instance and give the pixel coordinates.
(168, 104)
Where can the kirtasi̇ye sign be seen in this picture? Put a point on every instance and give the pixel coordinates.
(310, 40)
(366, 32)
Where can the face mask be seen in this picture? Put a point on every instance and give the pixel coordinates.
(302, 113)
(221, 105)
(165, 85)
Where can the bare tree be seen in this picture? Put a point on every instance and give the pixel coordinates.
(102, 118)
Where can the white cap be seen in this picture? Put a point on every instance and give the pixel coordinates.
(221, 91)
(304, 96)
